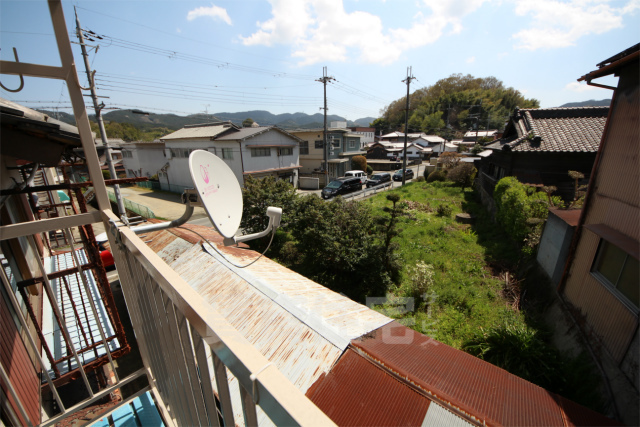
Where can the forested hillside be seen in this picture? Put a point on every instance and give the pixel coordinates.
(454, 105)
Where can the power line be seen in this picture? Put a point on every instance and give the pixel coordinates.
(173, 54)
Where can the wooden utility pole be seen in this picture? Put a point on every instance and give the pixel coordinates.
(406, 124)
(325, 149)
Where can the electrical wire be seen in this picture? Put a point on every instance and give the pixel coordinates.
(222, 255)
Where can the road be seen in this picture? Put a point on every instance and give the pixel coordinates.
(168, 206)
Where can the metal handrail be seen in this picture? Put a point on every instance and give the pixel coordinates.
(261, 382)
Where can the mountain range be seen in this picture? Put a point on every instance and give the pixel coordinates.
(285, 121)
(175, 122)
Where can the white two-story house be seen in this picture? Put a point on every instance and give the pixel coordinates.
(258, 151)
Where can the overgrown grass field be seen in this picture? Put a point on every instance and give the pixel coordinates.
(462, 279)
(466, 294)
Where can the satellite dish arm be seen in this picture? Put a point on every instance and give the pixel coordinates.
(274, 214)
(164, 225)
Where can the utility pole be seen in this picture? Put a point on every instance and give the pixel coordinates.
(406, 124)
(103, 132)
(325, 147)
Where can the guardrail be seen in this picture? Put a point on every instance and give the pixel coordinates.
(133, 206)
(174, 325)
(366, 191)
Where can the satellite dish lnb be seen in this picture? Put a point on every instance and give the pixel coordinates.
(219, 191)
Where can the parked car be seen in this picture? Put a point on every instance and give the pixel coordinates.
(357, 174)
(341, 186)
(398, 175)
(378, 178)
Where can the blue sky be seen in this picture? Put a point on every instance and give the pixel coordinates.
(227, 56)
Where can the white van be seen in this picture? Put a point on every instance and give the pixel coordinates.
(358, 174)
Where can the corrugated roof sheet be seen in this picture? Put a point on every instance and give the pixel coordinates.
(559, 129)
(456, 379)
(299, 325)
(359, 393)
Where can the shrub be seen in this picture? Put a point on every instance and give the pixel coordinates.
(369, 170)
(449, 159)
(515, 205)
(421, 281)
(359, 163)
(463, 175)
(106, 174)
(444, 210)
(437, 175)
(420, 179)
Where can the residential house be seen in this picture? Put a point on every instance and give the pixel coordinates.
(602, 279)
(540, 147)
(258, 151)
(367, 135)
(473, 136)
(392, 137)
(143, 159)
(395, 150)
(429, 141)
(342, 147)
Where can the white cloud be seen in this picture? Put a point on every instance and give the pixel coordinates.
(179, 30)
(321, 30)
(579, 87)
(471, 60)
(214, 12)
(558, 24)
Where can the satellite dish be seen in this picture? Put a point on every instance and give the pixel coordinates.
(218, 189)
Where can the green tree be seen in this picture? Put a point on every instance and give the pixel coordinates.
(260, 193)
(246, 123)
(433, 123)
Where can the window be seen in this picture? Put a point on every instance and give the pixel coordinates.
(304, 147)
(319, 145)
(286, 151)
(126, 154)
(352, 143)
(335, 142)
(261, 152)
(618, 270)
(227, 153)
(181, 153)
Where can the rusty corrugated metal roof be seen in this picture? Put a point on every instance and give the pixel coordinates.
(359, 393)
(462, 382)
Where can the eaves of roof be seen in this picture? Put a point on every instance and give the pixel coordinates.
(470, 388)
(615, 64)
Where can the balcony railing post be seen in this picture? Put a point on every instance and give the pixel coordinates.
(248, 408)
(205, 378)
(222, 383)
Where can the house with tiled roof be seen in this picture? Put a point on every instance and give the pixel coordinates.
(258, 151)
(540, 146)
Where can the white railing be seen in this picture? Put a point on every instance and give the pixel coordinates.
(173, 324)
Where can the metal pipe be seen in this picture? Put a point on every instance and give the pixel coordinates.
(164, 225)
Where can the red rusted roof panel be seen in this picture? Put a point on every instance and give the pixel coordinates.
(358, 393)
(477, 388)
